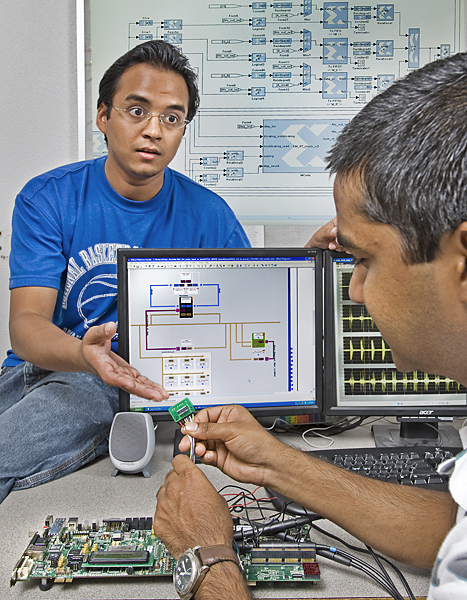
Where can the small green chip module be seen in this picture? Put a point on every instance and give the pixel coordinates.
(182, 410)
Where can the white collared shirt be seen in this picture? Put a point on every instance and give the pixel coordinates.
(449, 576)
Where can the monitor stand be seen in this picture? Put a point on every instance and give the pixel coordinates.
(416, 432)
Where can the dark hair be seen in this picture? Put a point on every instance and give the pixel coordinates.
(159, 54)
(408, 148)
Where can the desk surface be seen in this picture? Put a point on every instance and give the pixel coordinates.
(91, 493)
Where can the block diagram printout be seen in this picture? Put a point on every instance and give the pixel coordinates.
(278, 82)
(222, 331)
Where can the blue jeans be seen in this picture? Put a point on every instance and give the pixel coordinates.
(50, 424)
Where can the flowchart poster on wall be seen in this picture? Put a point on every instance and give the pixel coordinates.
(278, 82)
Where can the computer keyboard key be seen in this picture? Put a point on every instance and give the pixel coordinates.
(420, 480)
(435, 479)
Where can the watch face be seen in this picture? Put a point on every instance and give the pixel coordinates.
(183, 573)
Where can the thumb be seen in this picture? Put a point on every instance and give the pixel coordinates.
(101, 333)
(182, 464)
(110, 329)
(209, 431)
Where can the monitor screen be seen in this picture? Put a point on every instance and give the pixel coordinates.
(223, 326)
(360, 376)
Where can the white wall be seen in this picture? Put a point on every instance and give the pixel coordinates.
(38, 122)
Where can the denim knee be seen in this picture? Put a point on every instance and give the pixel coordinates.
(61, 422)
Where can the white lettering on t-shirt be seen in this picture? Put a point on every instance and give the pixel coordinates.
(93, 256)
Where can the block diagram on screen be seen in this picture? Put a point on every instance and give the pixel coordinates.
(278, 81)
(200, 333)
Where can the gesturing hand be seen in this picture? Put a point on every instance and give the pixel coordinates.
(325, 237)
(112, 369)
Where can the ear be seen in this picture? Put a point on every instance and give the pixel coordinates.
(460, 246)
(101, 118)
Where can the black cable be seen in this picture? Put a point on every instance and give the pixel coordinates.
(384, 576)
(373, 553)
(378, 561)
(244, 495)
(377, 558)
(382, 583)
(279, 528)
(333, 429)
(285, 505)
(344, 558)
(256, 528)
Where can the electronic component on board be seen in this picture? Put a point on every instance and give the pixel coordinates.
(128, 547)
(183, 412)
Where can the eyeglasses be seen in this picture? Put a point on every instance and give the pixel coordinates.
(135, 115)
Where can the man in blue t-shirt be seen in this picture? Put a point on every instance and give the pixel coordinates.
(59, 383)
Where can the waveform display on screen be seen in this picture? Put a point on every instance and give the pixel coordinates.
(356, 319)
(365, 361)
(391, 381)
(366, 350)
(345, 277)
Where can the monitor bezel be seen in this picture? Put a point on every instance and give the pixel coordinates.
(123, 254)
(330, 366)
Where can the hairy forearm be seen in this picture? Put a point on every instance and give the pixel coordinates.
(405, 523)
(224, 580)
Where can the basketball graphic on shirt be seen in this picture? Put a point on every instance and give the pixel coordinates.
(97, 298)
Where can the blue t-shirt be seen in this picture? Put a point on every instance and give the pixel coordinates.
(69, 222)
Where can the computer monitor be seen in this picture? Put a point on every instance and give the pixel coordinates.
(361, 378)
(223, 326)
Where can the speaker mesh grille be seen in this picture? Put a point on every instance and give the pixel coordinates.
(129, 437)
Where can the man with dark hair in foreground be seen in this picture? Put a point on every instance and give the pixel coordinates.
(401, 202)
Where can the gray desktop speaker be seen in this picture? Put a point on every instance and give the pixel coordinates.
(131, 443)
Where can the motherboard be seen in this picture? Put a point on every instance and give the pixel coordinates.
(68, 549)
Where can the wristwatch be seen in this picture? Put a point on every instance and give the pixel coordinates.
(194, 563)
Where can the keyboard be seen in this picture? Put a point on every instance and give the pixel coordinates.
(414, 465)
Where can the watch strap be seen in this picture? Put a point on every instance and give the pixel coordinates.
(210, 555)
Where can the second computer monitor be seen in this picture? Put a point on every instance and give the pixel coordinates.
(360, 375)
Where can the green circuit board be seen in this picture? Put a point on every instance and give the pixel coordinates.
(68, 549)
